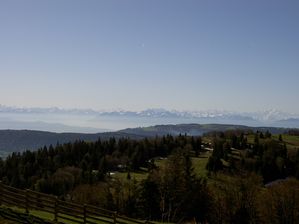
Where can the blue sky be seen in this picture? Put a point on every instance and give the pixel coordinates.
(185, 55)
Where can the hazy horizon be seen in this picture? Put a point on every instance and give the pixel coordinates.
(93, 121)
(178, 55)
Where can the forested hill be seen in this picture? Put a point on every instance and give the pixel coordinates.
(19, 140)
(195, 129)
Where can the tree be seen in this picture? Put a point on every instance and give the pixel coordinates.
(280, 202)
(267, 134)
(280, 138)
(181, 194)
(235, 199)
(150, 199)
(214, 164)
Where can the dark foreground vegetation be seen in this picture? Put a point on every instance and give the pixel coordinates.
(250, 178)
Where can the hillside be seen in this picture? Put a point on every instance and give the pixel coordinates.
(135, 177)
(19, 140)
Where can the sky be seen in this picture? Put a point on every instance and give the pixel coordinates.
(134, 54)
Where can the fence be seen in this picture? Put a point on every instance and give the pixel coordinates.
(21, 217)
(61, 210)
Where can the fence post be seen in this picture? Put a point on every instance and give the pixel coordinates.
(56, 209)
(114, 217)
(27, 201)
(84, 213)
(1, 193)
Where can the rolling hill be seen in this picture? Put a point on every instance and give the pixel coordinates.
(194, 129)
(19, 140)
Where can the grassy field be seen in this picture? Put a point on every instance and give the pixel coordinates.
(199, 166)
(250, 139)
(290, 140)
(200, 163)
(138, 176)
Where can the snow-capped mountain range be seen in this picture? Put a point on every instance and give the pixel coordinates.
(267, 115)
(99, 118)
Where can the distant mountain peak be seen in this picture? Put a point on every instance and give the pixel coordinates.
(217, 115)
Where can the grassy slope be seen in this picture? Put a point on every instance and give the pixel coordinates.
(200, 163)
